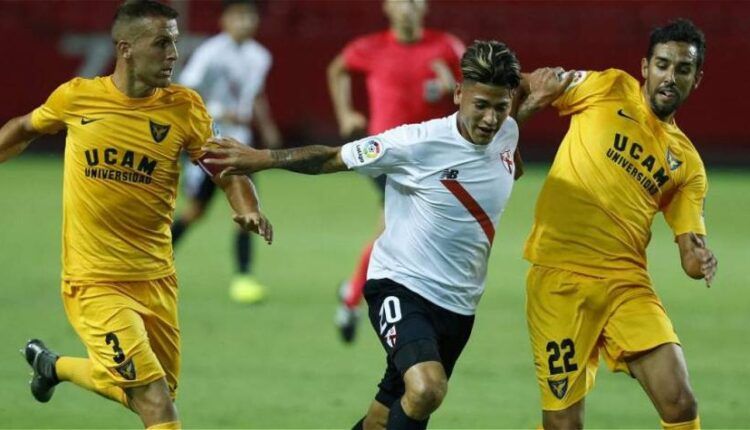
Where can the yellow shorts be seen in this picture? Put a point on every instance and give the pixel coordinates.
(572, 318)
(129, 328)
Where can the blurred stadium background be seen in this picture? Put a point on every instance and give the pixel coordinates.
(280, 364)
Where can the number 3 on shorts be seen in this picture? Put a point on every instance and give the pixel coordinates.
(390, 312)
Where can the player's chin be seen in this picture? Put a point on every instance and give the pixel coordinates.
(162, 81)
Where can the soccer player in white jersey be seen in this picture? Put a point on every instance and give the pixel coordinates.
(448, 182)
(229, 70)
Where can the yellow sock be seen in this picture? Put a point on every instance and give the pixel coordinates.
(172, 425)
(78, 371)
(687, 425)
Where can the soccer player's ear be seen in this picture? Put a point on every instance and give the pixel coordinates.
(457, 93)
(644, 68)
(698, 78)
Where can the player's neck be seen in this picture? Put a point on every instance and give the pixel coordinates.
(129, 85)
(407, 35)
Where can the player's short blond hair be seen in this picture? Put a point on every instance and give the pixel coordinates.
(492, 63)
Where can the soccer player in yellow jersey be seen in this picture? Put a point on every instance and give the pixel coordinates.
(588, 291)
(124, 136)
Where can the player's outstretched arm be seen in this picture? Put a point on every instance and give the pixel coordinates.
(15, 136)
(538, 90)
(234, 158)
(698, 261)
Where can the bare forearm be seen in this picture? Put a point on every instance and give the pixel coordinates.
(527, 108)
(310, 160)
(15, 136)
(241, 193)
(339, 86)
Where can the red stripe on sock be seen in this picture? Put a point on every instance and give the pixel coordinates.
(472, 206)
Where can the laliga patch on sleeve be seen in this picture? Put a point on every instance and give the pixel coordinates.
(578, 77)
(215, 129)
(367, 151)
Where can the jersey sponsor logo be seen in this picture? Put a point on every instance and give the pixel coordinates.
(507, 159)
(158, 131)
(142, 167)
(641, 166)
(472, 206)
(624, 115)
(558, 387)
(673, 162)
(85, 120)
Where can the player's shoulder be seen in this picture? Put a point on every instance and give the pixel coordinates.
(79, 86)
(181, 93)
(258, 51)
(442, 37)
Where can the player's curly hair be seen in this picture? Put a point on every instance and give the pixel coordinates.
(492, 63)
(679, 30)
(131, 10)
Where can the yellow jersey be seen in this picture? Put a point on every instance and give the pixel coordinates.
(121, 174)
(617, 166)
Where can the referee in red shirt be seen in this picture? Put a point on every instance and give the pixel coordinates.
(410, 72)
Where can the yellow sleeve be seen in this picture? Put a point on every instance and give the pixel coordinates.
(200, 127)
(684, 213)
(587, 87)
(49, 118)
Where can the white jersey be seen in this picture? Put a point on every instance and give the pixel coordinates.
(229, 76)
(443, 200)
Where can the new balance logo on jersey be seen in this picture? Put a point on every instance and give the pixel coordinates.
(449, 174)
(158, 131)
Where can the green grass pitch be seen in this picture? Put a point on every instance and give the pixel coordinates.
(281, 364)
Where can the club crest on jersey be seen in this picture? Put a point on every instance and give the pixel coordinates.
(559, 388)
(507, 159)
(673, 162)
(390, 337)
(127, 370)
(158, 131)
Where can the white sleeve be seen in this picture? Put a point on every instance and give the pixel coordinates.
(385, 153)
(196, 68)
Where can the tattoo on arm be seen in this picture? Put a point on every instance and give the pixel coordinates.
(310, 160)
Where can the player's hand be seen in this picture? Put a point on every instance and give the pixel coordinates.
(706, 258)
(233, 157)
(547, 84)
(351, 123)
(256, 222)
(442, 85)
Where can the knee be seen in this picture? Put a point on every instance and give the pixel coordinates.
(566, 419)
(426, 395)
(152, 402)
(681, 406)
